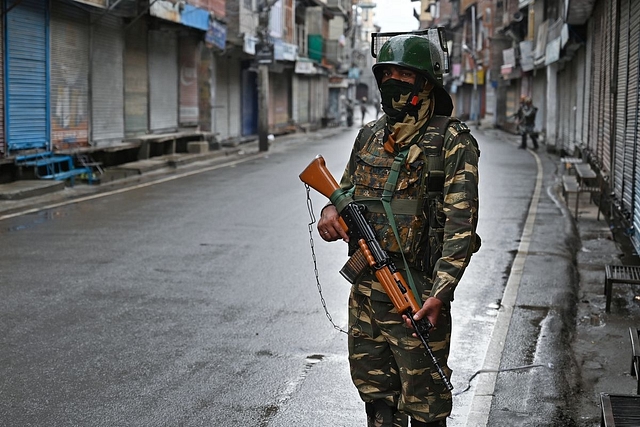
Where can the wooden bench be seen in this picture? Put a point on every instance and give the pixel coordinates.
(569, 162)
(619, 274)
(619, 410)
(581, 182)
(570, 186)
(634, 334)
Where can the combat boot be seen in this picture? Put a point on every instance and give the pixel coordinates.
(439, 423)
(380, 414)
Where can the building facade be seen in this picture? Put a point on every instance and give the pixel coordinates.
(578, 60)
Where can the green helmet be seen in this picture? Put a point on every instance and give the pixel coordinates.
(422, 55)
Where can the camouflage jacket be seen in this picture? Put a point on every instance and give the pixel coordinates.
(365, 176)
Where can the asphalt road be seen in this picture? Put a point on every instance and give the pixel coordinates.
(192, 300)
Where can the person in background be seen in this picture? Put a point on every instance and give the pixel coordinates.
(376, 104)
(435, 195)
(526, 117)
(363, 108)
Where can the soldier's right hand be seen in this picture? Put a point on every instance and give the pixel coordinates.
(329, 227)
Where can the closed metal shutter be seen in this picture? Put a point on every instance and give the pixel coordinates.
(188, 81)
(205, 81)
(107, 85)
(280, 94)
(3, 146)
(69, 76)
(249, 102)
(163, 80)
(564, 109)
(596, 79)
(27, 75)
(604, 149)
(622, 178)
(235, 97)
(318, 101)
(136, 80)
(228, 95)
(303, 99)
(221, 98)
(633, 119)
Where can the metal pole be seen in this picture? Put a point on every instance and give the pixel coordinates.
(474, 47)
(263, 77)
(263, 107)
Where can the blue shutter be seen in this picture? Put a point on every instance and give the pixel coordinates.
(249, 102)
(27, 75)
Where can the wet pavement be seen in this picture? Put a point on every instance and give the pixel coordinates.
(586, 350)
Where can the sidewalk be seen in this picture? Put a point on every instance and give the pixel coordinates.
(598, 342)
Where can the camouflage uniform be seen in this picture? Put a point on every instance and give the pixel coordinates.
(387, 362)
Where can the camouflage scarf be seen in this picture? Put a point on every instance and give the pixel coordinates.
(407, 112)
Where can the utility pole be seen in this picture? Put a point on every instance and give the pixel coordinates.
(264, 57)
(476, 95)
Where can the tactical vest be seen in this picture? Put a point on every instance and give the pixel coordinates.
(417, 202)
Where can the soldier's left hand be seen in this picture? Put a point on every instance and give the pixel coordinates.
(430, 309)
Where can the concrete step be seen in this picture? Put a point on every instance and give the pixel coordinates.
(24, 189)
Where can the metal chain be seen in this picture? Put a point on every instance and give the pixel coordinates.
(315, 265)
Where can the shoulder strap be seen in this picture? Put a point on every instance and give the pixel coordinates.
(440, 129)
(368, 132)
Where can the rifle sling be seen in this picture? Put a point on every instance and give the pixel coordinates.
(387, 194)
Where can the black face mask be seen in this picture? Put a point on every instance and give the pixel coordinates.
(391, 92)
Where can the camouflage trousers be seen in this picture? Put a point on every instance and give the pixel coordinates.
(388, 363)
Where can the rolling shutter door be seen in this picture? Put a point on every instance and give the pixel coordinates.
(27, 75)
(622, 178)
(633, 120)
(136, 80)
(604, 149)
(163, 81)
(596, 60)
(107, 86)
(279, 96)
(69, 76)
(249, 102)
(3, 147)
(564, 108)
(303, 99)
(188, 81)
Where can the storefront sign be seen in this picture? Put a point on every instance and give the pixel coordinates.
(249, 45)
(195, 17)
(264, 54)
(526, 55)
(217, 34)
(305, 67)
(552, 54)
(285, 51)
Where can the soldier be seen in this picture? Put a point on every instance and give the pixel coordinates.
(434, 201)
(526, 116)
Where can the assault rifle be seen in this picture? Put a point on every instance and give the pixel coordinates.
(369, 253)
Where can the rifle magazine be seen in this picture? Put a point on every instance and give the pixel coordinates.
(354, 267)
